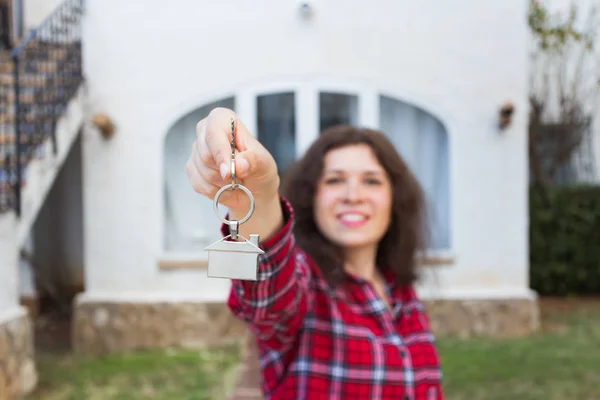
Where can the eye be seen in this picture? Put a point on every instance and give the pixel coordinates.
(373, 181)
(332, 180)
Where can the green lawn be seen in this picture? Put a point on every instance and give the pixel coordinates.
(181, 375)
(561, 362)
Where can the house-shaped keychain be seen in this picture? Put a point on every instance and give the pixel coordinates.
(234, 260)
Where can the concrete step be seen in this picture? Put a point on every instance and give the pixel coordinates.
(249, 378)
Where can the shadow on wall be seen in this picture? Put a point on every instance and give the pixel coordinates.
(52, 260)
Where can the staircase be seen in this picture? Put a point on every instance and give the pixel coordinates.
(41, 112)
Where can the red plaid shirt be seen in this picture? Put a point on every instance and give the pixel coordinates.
(316, 342)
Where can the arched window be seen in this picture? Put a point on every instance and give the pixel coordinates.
(285, 121)
(190, 223)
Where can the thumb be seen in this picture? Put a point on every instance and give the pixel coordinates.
(247, 164)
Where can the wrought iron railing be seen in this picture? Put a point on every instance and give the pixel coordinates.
(37, 80)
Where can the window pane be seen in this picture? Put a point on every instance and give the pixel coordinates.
(276, 122)
(422, 141)
(190, 223)
(337, 108)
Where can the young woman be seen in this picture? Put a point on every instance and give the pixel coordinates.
(334, 311)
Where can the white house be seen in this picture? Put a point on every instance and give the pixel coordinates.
(113, 206)
(433, 79)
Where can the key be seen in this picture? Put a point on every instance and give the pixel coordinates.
(234, 259)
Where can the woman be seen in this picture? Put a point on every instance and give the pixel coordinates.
(334, 311)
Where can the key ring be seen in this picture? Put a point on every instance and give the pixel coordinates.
(216, 204)
(233, 225)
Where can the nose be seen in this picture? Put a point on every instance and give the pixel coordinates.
(353, 192)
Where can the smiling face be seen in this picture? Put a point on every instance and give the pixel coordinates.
(353, 200)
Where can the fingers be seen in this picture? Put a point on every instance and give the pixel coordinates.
(198, 183)
(217, 136)
(200, 145)
(211, 153)
(205, 179)
(204, 161)
(246, 163)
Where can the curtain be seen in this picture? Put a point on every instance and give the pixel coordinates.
(422, 141)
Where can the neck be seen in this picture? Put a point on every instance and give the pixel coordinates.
(361, 262)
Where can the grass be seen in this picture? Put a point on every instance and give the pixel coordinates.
(184, 375)
(560, 362)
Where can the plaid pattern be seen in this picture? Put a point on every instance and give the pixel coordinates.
(316, 342)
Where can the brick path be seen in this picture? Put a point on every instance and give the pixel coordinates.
(248, 380)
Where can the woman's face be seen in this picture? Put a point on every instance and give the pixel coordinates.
(353, 198)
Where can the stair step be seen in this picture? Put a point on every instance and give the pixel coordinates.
(26, 96)
(37, 80)
(8, 118)
(25, 140)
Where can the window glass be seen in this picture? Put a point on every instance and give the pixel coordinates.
(337, 108)
(276, 124)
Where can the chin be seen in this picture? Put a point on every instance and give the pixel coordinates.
(355, 242)
(351, 238)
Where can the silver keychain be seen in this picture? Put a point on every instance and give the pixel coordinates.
(234, 259)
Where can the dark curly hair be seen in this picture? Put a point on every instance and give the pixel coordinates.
(407, 232)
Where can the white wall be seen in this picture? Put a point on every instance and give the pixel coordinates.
(9, 268)
(147, 64)
(35, 11)
(27, 272)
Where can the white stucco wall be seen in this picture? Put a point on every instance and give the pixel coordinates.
(9, 267)
(145, 69)
(35, 11)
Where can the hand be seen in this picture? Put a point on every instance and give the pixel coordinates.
(209, 165)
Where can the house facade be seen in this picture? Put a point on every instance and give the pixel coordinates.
(288, 73)
(106, 205)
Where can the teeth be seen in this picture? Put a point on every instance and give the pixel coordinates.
(352, 217)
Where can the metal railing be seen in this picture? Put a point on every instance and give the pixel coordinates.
(38, 78)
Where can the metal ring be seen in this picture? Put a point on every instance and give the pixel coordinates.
(220, 192)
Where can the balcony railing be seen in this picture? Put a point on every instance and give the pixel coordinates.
(38, 78)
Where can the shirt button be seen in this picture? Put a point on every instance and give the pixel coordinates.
(402, 353)
(406, 397)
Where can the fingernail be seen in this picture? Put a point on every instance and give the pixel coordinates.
(223, 170)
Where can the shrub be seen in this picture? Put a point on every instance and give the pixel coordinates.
(564, 239)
